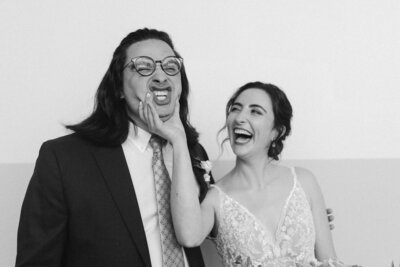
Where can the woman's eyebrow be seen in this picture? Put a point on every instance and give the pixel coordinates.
(237, 104)
(258, 106)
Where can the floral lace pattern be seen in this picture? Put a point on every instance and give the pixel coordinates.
(242, 239)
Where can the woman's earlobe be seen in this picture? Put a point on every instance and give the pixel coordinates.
(282, 131)
(279, 133)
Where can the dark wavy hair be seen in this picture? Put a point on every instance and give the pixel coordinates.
(281, 107)
(109, 122)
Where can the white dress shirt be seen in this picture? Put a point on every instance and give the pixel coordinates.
(138, 154)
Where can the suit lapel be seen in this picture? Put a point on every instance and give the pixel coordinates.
(112, 163)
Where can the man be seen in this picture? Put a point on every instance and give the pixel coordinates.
(93, 199)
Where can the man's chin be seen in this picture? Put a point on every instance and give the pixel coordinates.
(164, 113)
(164, 117)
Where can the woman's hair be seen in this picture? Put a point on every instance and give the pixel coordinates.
(109, 122)
(281, 107)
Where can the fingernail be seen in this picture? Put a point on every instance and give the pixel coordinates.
(148, 95)
(140, 104)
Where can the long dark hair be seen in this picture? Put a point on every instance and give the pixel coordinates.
(109, 122)
(281, 107)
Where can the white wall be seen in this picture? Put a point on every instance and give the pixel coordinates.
(338, 61)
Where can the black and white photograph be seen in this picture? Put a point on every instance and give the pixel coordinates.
(200, 133)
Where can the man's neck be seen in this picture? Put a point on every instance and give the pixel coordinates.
(139, 123)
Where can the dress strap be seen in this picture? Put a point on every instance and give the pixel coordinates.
(221, 194)
(293, 170)
(216, 187)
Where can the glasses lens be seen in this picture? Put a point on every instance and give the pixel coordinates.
(171, 65)
(144, 66)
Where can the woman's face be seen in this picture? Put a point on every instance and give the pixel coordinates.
(250, 123)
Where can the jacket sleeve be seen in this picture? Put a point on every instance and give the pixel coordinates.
(43, 221)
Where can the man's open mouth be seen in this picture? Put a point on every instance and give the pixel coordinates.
(161, 96)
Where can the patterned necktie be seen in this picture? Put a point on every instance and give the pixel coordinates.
(172, 251)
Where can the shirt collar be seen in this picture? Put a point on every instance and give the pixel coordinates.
(139, 137)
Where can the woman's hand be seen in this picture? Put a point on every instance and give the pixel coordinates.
(171, 130)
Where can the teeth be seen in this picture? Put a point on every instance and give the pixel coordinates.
(160, 93)
(242, 131)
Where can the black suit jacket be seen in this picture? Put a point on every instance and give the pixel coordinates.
(80, 209)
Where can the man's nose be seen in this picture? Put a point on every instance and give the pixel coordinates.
(159, 75)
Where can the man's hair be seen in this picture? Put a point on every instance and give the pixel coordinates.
(109, 122)
(281, 108)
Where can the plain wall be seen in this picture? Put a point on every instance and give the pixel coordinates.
(337, 61)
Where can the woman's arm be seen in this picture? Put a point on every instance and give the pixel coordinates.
(324, 248)
(192, 221)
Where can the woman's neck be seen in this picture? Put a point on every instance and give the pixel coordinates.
(253, 172)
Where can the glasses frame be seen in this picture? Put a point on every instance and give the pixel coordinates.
(133, 63)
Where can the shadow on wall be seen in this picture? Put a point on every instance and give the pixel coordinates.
(364, 195)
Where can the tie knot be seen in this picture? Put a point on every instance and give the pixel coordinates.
(156, 142)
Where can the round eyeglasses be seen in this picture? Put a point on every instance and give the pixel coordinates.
(146, 66)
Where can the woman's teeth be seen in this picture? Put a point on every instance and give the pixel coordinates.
(242, 131)
(242, 136)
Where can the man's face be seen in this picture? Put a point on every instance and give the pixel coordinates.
(166, 89)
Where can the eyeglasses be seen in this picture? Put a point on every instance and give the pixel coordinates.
(146, 66)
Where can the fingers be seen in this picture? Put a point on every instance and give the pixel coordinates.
(146, 109)
(153, 119)
(176, 118)
(177, 107)
(143, 114)
(329, 211)
(141, 111)
(148, 113)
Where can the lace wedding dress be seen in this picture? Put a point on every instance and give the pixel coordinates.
(242, 240)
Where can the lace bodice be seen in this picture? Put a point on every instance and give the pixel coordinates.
(242, 240)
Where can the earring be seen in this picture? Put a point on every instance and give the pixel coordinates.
(273, 144)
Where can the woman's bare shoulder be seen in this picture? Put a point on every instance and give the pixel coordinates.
(308, 181)
(305, 176)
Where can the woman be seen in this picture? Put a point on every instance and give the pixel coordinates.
(260, 213)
